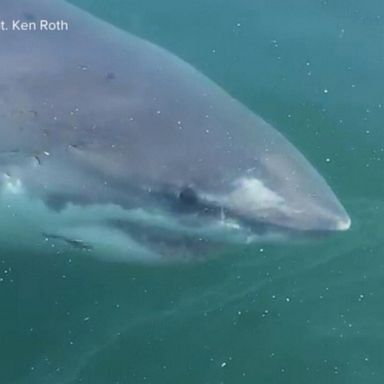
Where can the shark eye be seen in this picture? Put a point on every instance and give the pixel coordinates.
(188, 196)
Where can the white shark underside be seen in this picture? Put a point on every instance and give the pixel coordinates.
(124, 143)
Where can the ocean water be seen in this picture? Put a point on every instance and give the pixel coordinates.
(290, 313)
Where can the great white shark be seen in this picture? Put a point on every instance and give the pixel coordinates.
(126, 148)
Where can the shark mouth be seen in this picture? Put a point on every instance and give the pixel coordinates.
(150, 234)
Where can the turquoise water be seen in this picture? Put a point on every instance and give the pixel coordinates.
(309, 312)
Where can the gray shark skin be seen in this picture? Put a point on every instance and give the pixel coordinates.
(140, 143)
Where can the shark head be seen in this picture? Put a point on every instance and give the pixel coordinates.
(119, 147)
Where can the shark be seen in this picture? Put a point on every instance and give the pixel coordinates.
(114, 145)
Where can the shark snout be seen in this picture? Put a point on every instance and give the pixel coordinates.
(252, 200)
(324, 217)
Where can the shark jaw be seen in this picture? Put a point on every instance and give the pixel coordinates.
(148, 234)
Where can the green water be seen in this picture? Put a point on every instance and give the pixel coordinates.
(275, 313)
